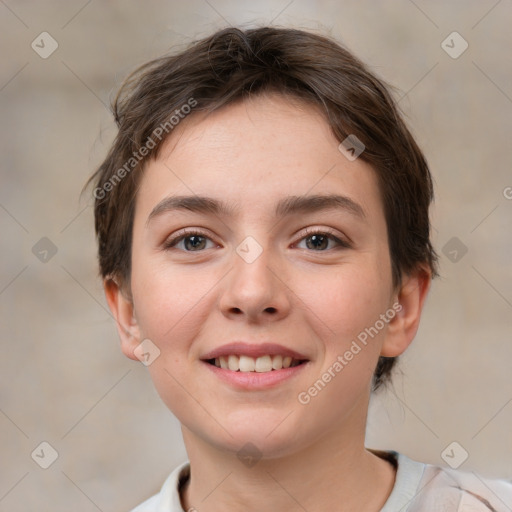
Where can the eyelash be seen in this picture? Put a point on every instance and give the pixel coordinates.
(344, 244)
(171, 243)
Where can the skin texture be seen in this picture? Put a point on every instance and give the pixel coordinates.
(314, 301)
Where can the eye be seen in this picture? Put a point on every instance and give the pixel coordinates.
(193, 241)
(319, 240)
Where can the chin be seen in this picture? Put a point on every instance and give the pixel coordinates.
(263, 432)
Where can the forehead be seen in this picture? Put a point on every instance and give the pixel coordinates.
(253, 154)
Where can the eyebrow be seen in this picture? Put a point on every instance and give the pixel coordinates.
(286, 206)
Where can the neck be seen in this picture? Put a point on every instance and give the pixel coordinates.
(331, 474)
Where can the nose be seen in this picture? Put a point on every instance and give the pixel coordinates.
(256, 291)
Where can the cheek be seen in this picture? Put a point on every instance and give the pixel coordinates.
(171, 308)
(345, 311)
(170, 303)
(346, 301)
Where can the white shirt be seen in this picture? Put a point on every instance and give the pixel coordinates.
(418, 487)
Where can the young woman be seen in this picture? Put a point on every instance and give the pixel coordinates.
(263, 230)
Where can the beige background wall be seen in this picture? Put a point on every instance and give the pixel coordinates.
(64, 380)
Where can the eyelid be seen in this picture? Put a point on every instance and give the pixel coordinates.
(343, 241)
(184, 233)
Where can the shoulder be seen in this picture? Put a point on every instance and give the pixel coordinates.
(468, 491)
(150, 505)
(421, 487)
(168, 499)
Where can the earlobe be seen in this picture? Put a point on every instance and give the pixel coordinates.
(403, 327)
(122, 309)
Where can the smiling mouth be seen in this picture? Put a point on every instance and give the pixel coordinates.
(262, 364)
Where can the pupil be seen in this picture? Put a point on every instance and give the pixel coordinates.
(194, 241)
(317, 238)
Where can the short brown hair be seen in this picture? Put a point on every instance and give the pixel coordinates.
(231, 65)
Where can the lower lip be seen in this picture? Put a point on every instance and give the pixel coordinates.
(255, 380)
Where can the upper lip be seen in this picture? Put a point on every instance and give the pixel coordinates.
(242, 348)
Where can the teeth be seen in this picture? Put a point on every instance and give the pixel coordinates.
(233, 363)
(263, 364)
(246, 364)
(250, 364)
(277, 362)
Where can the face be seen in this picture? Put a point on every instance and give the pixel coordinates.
(272, 275)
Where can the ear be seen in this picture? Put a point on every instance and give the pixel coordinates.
(123, 312)
(408, 305)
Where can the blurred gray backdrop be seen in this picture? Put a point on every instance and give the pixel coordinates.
(108, 440)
